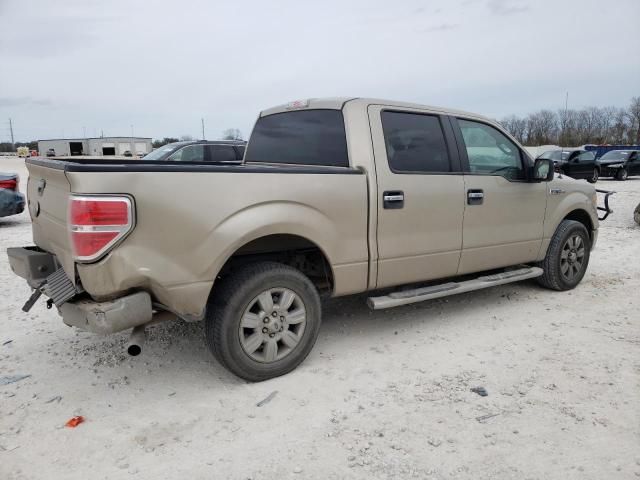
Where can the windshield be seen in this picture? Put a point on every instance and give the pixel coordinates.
(163, 152)
(555, 155)
(615, 155)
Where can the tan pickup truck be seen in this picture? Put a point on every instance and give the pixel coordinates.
(334, 197)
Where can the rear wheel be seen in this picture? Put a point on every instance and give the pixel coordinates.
(594, 177)
(263, 320)
(567, 257)
(622, 174)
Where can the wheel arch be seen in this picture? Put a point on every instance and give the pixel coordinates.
(291, 249)
(582, 216)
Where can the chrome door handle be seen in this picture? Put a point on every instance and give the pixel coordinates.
(475, 197)
(393, 198)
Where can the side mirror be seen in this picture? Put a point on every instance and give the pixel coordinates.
(542, 170)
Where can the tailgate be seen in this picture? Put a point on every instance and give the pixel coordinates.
(48, 193)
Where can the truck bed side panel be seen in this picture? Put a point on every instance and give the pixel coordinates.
(189, 223)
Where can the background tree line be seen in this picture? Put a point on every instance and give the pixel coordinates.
(568, 128)
(572, 128)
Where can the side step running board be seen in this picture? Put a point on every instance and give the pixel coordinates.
(406, 297)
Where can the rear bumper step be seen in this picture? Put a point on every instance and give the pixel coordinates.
(405, 297)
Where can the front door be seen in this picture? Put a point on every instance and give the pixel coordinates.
(504, 214)
(421, 195)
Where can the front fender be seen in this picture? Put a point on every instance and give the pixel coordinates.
(576, 197)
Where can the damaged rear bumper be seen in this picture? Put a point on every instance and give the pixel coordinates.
(108, 317)
(44, 274)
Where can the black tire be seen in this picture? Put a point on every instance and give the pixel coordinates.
(230, 301)
(622, 174)
(595, 176)
(555, 263)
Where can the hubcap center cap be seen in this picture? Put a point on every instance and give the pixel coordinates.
(273, 323)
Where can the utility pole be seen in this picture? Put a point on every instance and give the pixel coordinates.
(202, 120)
(565, 119)
(13, 146)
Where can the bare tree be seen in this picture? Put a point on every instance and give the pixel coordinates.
(232, 134)
(516, 126)
(634, 115)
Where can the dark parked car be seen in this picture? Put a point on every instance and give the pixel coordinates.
(620, 163)
(219, 151)
(51, 153)
(575, 163)
(11, 200)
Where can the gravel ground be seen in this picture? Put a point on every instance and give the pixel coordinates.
(382, 395)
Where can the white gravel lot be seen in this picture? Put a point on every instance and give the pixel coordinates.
(383, 394)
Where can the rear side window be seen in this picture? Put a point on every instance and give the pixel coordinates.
(307, 137)
(415, 143)
(586, 156)
(222, 153)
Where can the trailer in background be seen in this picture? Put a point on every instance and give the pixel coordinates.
(602, 149)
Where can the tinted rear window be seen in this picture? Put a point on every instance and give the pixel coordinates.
(307, 137)
(415, 142)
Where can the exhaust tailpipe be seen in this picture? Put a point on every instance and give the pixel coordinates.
(136, 341)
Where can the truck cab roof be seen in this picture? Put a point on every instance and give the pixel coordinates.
(338, 103)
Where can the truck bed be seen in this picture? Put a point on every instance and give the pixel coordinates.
(191, 217)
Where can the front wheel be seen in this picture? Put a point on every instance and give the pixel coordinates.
(622, 174)
(567, 257)
(263, 320)
(594, 177)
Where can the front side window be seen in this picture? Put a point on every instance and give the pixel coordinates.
(190, 153)
(490, 152)
(415, 143)
(304, 137)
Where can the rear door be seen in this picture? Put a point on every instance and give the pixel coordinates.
(633, 163)
(421, 195)
(585, 163)
(504, 214)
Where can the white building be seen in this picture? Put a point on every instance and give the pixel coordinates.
(101, 146)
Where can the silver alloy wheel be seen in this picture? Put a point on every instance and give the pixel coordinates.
(572, 257)
(272, 325)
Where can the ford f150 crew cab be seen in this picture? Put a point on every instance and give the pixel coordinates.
(333, 197)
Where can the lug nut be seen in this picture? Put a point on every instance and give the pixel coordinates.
(272, 335)
(265, 320)
(282, 319)
(274, 314)
(265, 330)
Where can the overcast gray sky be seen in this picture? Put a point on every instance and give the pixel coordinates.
(70, 65)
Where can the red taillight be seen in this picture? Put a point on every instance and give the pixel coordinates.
(11, 184)
(97, 223)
